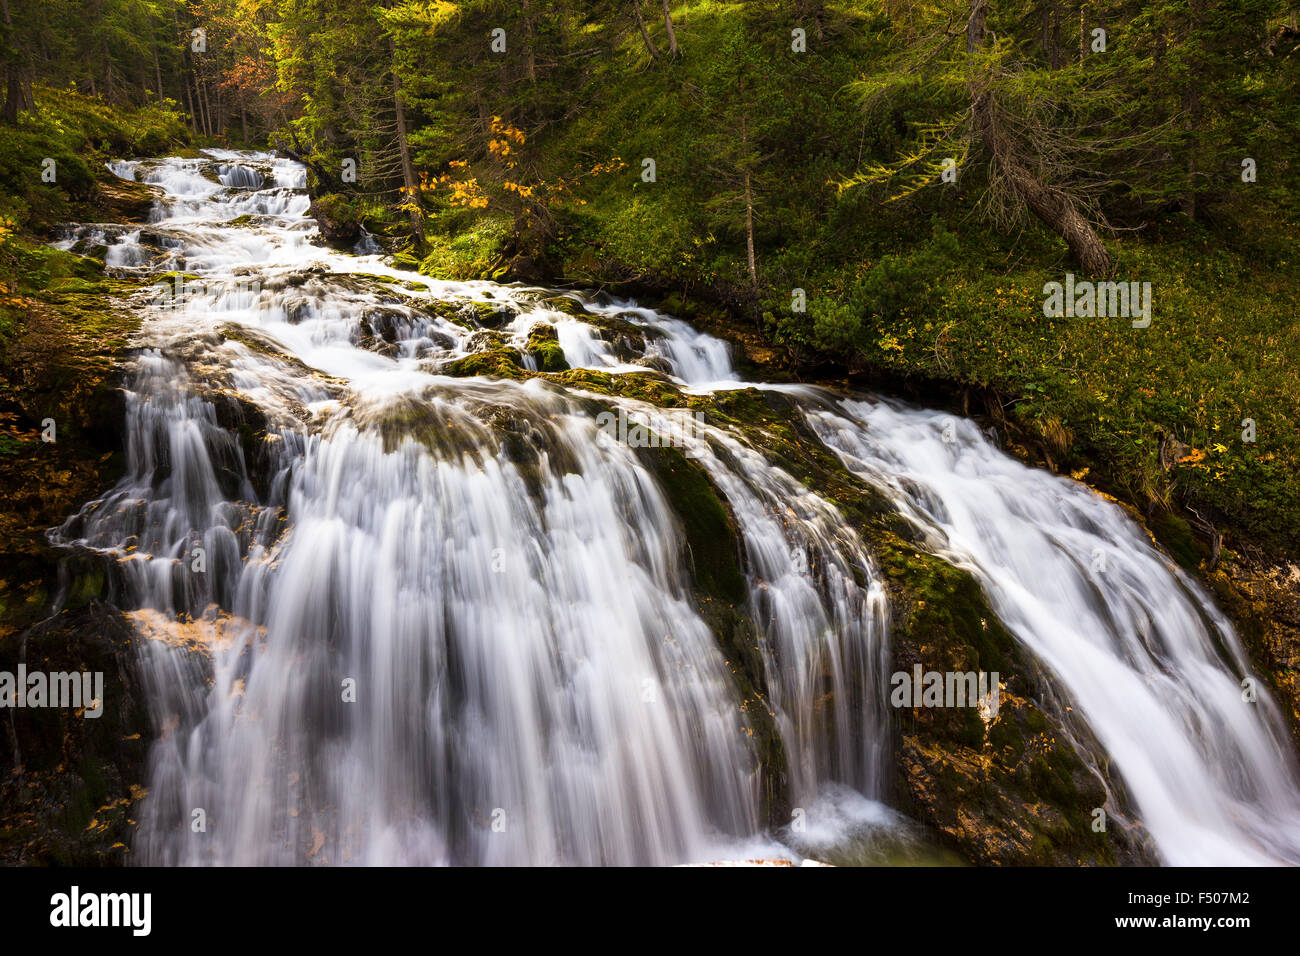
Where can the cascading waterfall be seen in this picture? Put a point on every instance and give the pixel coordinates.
(533, 683)
(1149, 661)
(429, 619)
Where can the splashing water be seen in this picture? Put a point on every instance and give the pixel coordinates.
(403, 617)
(1154, 668)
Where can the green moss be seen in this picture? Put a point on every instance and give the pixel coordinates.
(567, 305)
(709, 529)
(648, 387)
(86, 587)
(494, 363)
(471, 251)
(546, 350)
(72, 285)
(1178, 539)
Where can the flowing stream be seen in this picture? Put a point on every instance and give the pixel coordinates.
(418, 618)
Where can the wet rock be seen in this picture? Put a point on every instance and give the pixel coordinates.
(337, 220)
(494, 363)
(71, 783)
(482, 341)
(441, 340)
(567, 305)
(545, 349)
(382, 328)
(1262, 596)
(1015, 787)
(495, 318)
(127, 200)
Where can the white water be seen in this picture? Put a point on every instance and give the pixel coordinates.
(509, 593)
(1150, 663)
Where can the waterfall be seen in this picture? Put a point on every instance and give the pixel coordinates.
(1151, 664)
(393, 616)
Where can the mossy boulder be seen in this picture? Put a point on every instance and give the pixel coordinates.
(566, 304)
(338, 219)
(494, 363)
(545, 349)
(713, 553)
(126, 200)
(1020, 786)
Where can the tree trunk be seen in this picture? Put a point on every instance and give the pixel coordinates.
(749, 230)
(749, 192)
(13, 77)
(1052, 206)
(531, 39)
(13, 93)
(645, 34)
(189, 104)
(408, 171)
(185, 65)
(157, 73)
(1051, 35)
(979, 12)
(1191, 106)
(108, 74)
(672, 34)
(403, 150)
(1083, 32)
(206, 105)
(1192, 112)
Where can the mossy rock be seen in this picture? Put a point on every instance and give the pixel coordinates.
(650, 387)
(569, 306)
(337, 218)
(1015, 790)
(713, 553)
(494, 363)
(1177, 537)
(545, 349)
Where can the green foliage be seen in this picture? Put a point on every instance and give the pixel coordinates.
(474, 253)
(76, 133)
(860, 316)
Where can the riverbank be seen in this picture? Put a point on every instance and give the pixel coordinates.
(68, 784)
